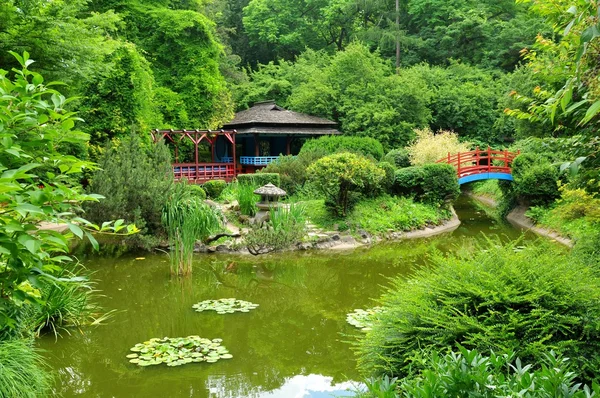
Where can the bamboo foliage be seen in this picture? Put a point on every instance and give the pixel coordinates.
(187, 219)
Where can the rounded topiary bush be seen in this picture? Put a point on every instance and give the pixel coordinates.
(535, 179)
(398, 157)
(214, 188)
(496, 299)
(197, 191)
(432, 183)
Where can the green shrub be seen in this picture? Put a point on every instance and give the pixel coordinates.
(65, 304)
(340, 177)
(365, 146)
(197, 191)
(431, 183)
(398, 157)
(247, 199)
(22, 371)
(292, 170)
(493, 298)
(467, 373)
(135, 179)
(390, 176)
(285, 227)
(259, 179)
(214, 188)
(535, 179)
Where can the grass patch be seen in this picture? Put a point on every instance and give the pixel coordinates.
(22, 370)
(379, 215)
(489, 188)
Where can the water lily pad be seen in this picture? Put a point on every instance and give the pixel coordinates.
(224, 306)
(363, 319)
(178, 351)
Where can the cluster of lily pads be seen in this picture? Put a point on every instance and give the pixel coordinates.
(225, 306)
(176, 351)
(363, 319)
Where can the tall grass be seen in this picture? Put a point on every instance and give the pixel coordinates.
(187, 219)
(247, 199)
(67, 304)
(22, 371)
(285, 227)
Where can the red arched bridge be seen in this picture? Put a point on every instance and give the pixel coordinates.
(480, 164)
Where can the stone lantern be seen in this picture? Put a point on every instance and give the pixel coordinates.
(269, 196)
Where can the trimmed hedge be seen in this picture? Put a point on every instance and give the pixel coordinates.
(398, 157)
(197, 191)
(431, 183)
(365, 146)
(535, 179)
(259, 179)
(214, 188)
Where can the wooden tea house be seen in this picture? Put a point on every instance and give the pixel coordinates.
(253, 139)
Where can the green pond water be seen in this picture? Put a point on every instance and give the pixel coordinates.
(293, 345)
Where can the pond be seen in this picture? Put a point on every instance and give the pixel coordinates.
(295, 344)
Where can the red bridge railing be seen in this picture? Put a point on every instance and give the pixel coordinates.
(201, 172)
(481, 162)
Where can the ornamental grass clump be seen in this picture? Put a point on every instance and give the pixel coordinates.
(22, 370)
(187, 219)
(496, 298)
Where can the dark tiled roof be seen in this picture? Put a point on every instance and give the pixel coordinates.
(270, 113)
(298, 129)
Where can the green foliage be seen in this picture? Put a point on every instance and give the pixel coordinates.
(214, 188)
(135, 178)
(36, 187)
(285, 227)
(398, 157)
(535, 179)
(22, 370)
(390, 176)
(491, 298)
(464, 99)
(259, 179)
(66, 304)
(187, 219)
(340, 177)
(489, 188)
(432, 183)
(468, 373)
(378, 216)
(121, 98)
(247, 199)
(331, 144)
(292, 170)
(197, 191)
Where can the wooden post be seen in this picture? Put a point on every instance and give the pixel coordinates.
(256, 145)
(196, 154)
(458, 165)
(233, 152)
(288, 145)
(212, 148)
(489, 159)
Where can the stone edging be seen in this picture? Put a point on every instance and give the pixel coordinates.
(517, 217)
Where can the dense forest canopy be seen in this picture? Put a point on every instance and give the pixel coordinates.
(489, 70)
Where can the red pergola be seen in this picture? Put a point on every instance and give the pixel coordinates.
(200, 172)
